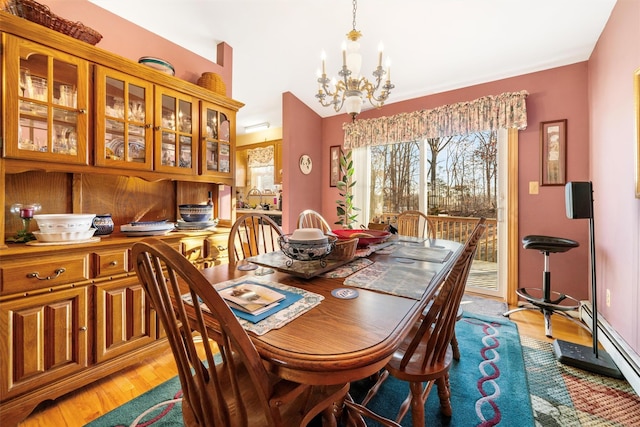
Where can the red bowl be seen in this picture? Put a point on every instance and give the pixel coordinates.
(365, 237)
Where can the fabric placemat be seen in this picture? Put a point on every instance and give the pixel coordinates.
(281, 317)
(348, 269)
(365, 252)
(289, 299)
(423, 254)
(391, 278)
(305, 269)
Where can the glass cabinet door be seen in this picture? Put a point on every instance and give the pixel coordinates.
(217, 146)
(46, 104)
(176, 132)
(124, 118)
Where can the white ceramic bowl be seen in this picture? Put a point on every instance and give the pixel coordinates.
(306, 250)
(307, 235)
(59, 223)
(66, 236)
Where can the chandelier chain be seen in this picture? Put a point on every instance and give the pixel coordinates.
(355, 7)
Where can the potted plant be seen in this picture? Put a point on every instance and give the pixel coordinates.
(347, 213)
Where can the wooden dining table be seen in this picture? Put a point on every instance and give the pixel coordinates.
(344, 340)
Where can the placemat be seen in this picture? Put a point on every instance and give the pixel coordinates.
(365, 252)
(348, 269)
(305, 269)
(282, 317)
(391, 278)
(422, 254)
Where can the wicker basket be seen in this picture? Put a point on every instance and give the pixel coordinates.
(40, 14)
(213, 82)
(379, 227)
(344, 249)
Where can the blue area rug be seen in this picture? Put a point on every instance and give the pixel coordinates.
(488, 385)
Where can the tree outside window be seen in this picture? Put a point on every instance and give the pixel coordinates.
(459, 173)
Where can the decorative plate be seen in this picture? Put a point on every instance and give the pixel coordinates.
(147, 226)
(158, 64)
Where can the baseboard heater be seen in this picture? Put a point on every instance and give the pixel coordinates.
(625, 358)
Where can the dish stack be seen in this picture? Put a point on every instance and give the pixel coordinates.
(65, 228)
(196, 217)
(147, 228)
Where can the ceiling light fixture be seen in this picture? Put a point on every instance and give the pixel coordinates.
(350, 90)
(257, 127)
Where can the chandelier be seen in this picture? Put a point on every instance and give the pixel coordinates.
(351, 89)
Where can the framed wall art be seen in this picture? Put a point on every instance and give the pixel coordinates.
(334, 165)
(636, 95)
(553, 152)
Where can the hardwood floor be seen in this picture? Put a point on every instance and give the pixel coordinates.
(90, 402)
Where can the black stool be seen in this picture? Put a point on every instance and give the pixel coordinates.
(541, 299)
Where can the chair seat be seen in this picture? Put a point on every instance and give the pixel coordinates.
(548, 243)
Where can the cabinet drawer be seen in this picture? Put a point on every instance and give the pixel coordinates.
(22, 276)
(216, 248)
(193, 249)
(111, 263)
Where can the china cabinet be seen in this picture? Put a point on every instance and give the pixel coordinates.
(123, 125)
(217, 145)
(87, 131)
(46, 103)
(176, 130)
(124, 318)
(47, 340)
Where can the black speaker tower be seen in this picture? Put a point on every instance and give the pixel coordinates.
(579, 204)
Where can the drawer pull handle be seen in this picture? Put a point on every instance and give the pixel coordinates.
(83, 328)
(58, 272)
(221, 248)
(113, 263)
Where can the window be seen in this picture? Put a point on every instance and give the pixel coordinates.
(260, 162)
(450, 175)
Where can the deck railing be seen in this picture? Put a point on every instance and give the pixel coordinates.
(458, 229)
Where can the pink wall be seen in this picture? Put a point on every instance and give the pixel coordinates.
(612, 157)
(131, 41)
(559, 93)
(301, 135)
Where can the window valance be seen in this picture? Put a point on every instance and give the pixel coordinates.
(504, 111)
(260, 157)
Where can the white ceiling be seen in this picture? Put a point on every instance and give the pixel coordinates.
(433, 45)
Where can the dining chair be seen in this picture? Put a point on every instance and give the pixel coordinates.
(424, 357)
(233, 389)
(252, 234)
(415, 224)
(309, 218)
